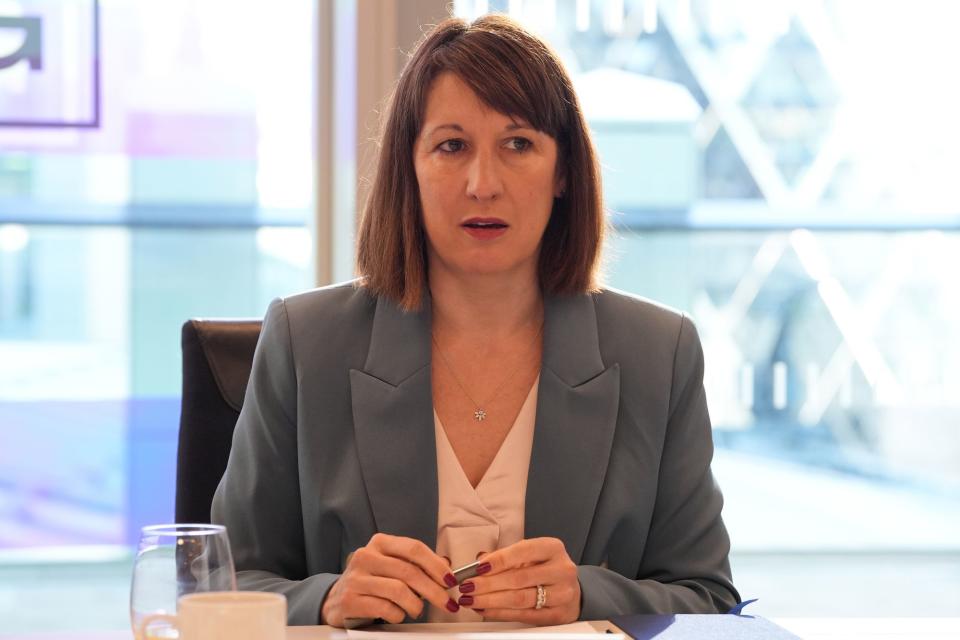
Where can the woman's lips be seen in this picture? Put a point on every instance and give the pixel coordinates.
(485, 228)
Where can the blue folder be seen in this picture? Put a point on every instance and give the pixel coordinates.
(701, 627)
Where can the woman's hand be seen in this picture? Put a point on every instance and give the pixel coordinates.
(507, 591)
(388, 579)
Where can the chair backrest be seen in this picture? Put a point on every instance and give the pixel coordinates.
(217, 357)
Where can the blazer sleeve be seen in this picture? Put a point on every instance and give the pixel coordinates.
(685, 566)
(258, 498)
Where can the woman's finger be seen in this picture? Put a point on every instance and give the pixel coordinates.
(558, 595)
(389, 589)
(409, 574)
(526, 552)
(415, 552)
(516, 599)
(362, 605)
(547, 573)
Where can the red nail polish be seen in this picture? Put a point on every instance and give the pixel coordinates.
(452, 606)
(483, 567)
(466, 601)
(467, 587)
(450, 580)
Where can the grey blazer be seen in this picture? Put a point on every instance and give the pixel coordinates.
(336, 442)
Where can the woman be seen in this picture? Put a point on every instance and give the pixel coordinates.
(476, 394)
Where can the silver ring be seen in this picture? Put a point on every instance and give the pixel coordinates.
(541, 597)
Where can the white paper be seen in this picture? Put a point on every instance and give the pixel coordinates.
(483, 631)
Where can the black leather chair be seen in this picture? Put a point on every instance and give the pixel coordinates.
(217, 357)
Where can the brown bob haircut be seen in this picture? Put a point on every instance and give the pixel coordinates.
(517, 74)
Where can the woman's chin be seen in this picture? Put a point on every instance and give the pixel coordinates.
(495, 269)
(484, 264)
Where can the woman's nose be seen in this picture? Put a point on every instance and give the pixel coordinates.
(483, 179)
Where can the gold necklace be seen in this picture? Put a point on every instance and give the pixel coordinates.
(480, 414)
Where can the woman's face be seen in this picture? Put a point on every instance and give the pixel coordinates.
(487, 183)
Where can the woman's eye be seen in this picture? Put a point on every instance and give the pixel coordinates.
(519, 144)
(451, 146)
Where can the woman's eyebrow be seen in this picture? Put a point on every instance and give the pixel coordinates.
(452, 125)
(513, 126)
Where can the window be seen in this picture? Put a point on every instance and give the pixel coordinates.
(174, 180)
(782, 171)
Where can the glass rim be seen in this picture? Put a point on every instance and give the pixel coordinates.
(182, 529)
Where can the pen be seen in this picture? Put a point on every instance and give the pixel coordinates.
(466, 572)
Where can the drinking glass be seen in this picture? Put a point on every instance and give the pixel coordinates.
(174, 560)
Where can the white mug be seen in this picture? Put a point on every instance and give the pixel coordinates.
(225, 615)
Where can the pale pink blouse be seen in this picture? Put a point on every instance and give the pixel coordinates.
(471, 521)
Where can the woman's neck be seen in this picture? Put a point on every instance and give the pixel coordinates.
(485, 306)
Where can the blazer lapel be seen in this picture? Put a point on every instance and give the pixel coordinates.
(393, 422)
(577, 408)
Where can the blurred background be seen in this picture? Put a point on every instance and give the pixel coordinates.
(783, 170)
